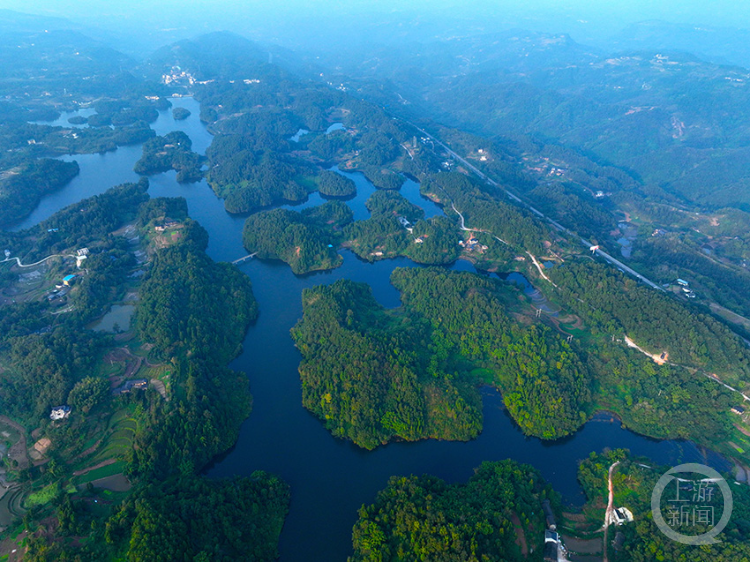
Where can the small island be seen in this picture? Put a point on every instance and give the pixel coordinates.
(307, 241)
(180, 113)
(332, 184)
(172, 151)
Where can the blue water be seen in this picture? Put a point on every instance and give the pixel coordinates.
(335, 127)
(62, 121)
(300, 133)
(330, 478)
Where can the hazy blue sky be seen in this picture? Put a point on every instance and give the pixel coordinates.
(714, 12)
(308, 23)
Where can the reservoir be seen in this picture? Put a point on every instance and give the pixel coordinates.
(331, 479)
(116, 320)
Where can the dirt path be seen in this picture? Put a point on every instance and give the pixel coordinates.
(520, 534)
(99, 465)
(90, 450)
(610, 510)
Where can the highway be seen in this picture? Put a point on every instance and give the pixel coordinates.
(604, 255)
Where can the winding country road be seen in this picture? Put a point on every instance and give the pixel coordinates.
(609, 511)
(617, 263)
(18, 261)
(604, 255)
(464, 227)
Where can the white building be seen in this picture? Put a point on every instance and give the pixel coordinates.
(59, 413)
(622, 515)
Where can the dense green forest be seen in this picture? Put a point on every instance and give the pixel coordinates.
(544, 384)
(382, 178)
(332, 184)
(170, 152)
(374, 375)
(433, 241)
(180, 113)
(249, 181)
(50, 360)
(307, 241)
(424, 518)
(201, 336)
(188, 519)
(661, 401)
(332, 145)
(612, 303)
(24, 187)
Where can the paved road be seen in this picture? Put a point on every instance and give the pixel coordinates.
(604, 255)
(18, 261)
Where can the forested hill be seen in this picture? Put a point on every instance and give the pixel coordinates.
(615, 304)
(164, 433)
(374, 375)
(484, 518)
(211, 56)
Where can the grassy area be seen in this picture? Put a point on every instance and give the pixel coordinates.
(485, 375)
(43, 496)
(121, 434)
(160, 372)
(102, 472)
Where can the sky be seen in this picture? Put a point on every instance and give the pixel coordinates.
(314, 23)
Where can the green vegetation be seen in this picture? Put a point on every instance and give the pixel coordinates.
(487, 211)
(250, 181)
(307, 241)
(383, 178)
(634, 480)
(497, 515)
(186, 518)
(661, 401)
(176, 287)
(393, 204)
(89, 221)
(332, 184)
(332, 145)
(48, 360)
(24, 187)
(433, 241)
(172, 151)
(374, 375)
(615, 304)
(180, 113)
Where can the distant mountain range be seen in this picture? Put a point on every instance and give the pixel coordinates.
(721, 45)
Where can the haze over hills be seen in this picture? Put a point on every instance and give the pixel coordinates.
(722, 45)
(456, 238)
